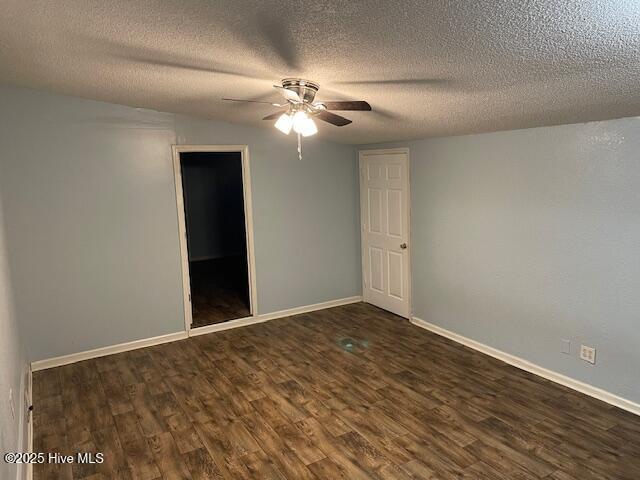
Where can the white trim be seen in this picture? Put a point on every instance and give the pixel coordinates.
(172, 337)
(241, 322)
(101, 352)
(182, 230)
(387, 151)
(530, 367)
(229, 324)
(29, 466)
(25, 423)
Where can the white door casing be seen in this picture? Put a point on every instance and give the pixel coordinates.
(384, 207)
(182, 230)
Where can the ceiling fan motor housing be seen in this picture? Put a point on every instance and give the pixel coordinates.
(305, 89)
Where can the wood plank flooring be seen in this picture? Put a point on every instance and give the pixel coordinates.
(219, 290)
(350, 393)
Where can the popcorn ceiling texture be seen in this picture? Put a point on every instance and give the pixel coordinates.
(462, 66)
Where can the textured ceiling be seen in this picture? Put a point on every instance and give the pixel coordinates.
(428, 68)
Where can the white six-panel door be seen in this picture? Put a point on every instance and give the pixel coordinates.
(384, 201)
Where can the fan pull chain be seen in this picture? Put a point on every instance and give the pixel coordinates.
(299, 148)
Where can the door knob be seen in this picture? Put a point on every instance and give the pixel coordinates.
(403, 246)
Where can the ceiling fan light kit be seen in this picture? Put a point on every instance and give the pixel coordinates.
(300, 108)
(303, 124)
(284, 123)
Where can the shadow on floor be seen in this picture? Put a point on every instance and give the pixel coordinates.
(219, 290)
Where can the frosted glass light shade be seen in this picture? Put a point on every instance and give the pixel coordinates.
(304, 125)
(284, 123)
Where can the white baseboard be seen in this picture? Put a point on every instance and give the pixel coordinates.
(172, 337)
(228, 325)
(101, 352)
(522, 364)
(241, 322)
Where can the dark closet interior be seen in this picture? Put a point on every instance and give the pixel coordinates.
(216, 236)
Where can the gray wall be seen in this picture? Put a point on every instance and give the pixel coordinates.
(92, 225)
(305, 213)
(13, 365)
(524, 238)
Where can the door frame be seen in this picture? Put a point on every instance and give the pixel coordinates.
(182, 231)
(386, 151)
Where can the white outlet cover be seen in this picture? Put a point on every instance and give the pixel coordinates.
(588, 354)
(566, 347)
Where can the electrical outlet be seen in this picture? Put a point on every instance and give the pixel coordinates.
(11, 404)
(588, 354)
(566, 347)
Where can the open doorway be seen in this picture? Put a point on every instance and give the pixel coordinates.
(214, 217)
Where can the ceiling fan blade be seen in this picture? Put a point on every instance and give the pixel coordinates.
(252, 101)
(288, 94)
(274, 115)
(332, 118)
(354, 105)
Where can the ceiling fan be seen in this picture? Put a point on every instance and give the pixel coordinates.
(299, 108)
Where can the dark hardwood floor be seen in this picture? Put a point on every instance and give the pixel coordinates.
(219, 290)
(351, 392)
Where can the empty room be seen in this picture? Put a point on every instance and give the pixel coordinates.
(319, 241)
